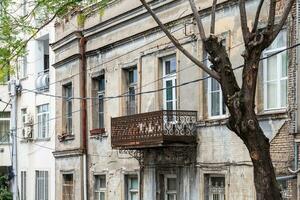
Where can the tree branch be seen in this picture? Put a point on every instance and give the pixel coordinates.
(213, 17)
(282, 20)
(257, 16)
(271, 18)
(244, 26)
(213, 74)
(198, 20)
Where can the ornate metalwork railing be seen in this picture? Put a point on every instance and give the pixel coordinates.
(153, 129)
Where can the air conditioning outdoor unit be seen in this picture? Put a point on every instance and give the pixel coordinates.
(28, 120)
(27, 132)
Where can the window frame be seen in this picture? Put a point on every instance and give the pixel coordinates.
(45, 180)
(8, 136)
(101, 96)
(100, 189)
(68, 108)
(170, 192)
(279, 77)
(64, 184)
(210, 92)
(40, 127)
(23, 191)
(169, 77)
(129, 190)
(131, 86)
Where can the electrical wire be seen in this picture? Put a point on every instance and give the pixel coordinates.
(152, 91)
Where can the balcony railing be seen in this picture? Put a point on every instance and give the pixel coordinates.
(153, 129)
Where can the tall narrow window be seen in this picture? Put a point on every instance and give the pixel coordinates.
(131, 74)
(170, 187)
(215, 101)
(214, 187)
(23, 116)
(68, 108)
(100, 187)
(68, 187)
(275, 74)
(23, 185)
(41, 185)
(22, 66)
(43, 121)
(169, 83)
(4, 127)
(101, 94)
(132, 183)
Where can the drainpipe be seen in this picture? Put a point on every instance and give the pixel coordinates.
(84, 147)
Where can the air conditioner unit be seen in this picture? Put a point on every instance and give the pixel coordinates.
(27, 131)
(28, 120)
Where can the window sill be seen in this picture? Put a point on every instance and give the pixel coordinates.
(42, 139)
(273, 114)
(99, 132)
(65, 137)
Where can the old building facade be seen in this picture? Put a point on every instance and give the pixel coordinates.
(136, 119)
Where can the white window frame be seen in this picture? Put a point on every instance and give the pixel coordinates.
(22, 63)
(68, 101)
(209, 95)
(100, 190)
(8, 133)
(130, 191)
(41, 181)
(23, 185)
(169, 77)
(43, 129)
(170, 192)
(278, 79)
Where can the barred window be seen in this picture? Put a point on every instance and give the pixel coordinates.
(41, 185)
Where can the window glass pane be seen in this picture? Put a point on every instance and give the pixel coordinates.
(102, 196)
(171, 196)
(272, 68)
(134, 196)
(167, 67)
(101, 83)
(134, 184)
(283, 95)
(215, 86)
(284, 64)
(272, 95)
(173, 65)
(215, 103)
(169, 90)
(171, 184)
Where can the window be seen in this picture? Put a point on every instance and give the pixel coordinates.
(170, 187)
(4, 127)
(23, 185)
(41, 185)
(22, 66)
(100, 187)
(214, 187)
(68, 108)
(131, 78)
(68, 187)
(23, 116)
(275, 74)
(169, 83)
(43, 121)
(132, 183)
(215, 101)
(101, 94)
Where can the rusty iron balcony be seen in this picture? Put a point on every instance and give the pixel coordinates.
(154, 129)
